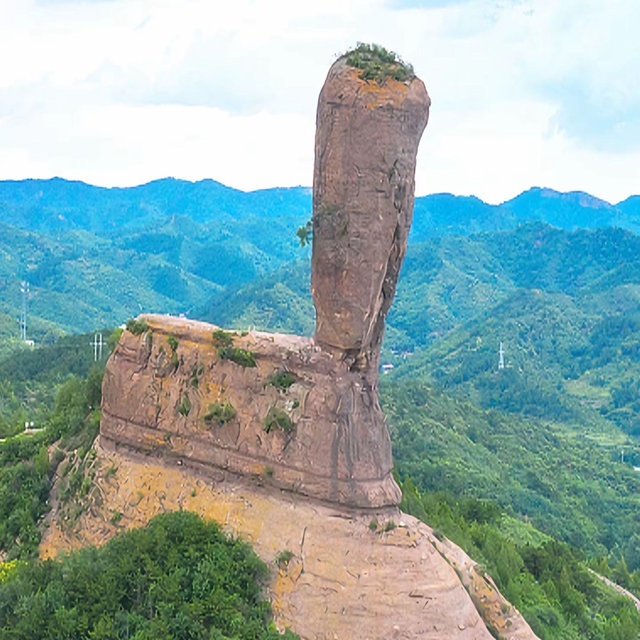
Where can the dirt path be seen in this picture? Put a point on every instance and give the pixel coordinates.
(621, 590)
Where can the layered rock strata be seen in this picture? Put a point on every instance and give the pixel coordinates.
(275, 409)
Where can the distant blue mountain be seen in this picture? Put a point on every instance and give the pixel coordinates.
(572, 210)
(445, 214)
(59, 205)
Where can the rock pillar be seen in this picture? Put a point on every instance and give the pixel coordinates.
(368, 127)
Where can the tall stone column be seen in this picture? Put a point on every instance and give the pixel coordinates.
(372, 111)
(191, 394)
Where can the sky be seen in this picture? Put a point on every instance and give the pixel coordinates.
(120, 92)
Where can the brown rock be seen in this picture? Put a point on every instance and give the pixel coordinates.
(367, 135)
(173, 393)
(299, 419)
(344, 580)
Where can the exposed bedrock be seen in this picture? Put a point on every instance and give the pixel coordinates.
(274, 409)
(367, 136)
(284, 411)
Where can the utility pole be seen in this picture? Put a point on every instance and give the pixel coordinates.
(501, 357)
(97, 347)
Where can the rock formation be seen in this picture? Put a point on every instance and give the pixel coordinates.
(367, 135)
(281, 438)
(275, 409)
(177, 391)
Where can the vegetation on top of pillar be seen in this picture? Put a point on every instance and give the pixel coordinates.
(378, 64)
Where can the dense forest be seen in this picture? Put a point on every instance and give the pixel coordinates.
(178, 578)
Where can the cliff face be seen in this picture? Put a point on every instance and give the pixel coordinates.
(274, 409)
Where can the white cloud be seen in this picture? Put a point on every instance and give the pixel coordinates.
(121, 91)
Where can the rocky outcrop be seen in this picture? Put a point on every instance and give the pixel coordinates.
(275, 409)
(281, 438)
(350, 575)
(367, 135)
(286, 411)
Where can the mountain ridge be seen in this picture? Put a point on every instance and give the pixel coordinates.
(55, 204)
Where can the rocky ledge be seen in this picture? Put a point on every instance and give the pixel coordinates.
(274, 409)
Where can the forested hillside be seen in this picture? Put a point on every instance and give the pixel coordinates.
(95, 256)
(80, 281)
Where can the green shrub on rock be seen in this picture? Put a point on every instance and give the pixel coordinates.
(221, 413)
(137, 327)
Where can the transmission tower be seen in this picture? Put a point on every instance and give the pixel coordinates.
(97, 347)
(501, 357)
(24, 288)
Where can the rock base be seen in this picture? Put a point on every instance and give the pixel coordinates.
(373, 576)
(272, 408)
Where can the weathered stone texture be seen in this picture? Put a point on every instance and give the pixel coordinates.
(367, 137)
(158, 400)
(344, 581)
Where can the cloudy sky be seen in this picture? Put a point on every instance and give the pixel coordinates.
(120, 92)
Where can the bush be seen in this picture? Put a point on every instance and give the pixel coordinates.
(173, 342)
(277, 419)
(136, 326)
(378, 64)
(284, 557)
(281, 380)
(220, 412)
(239, 356)
(185, 406)
(222, 338)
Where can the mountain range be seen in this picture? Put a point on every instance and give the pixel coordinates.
(61, 205)
(94, 256)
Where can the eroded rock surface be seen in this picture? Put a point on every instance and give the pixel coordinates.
(367, 136)
(346, 579)
(275, 409)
